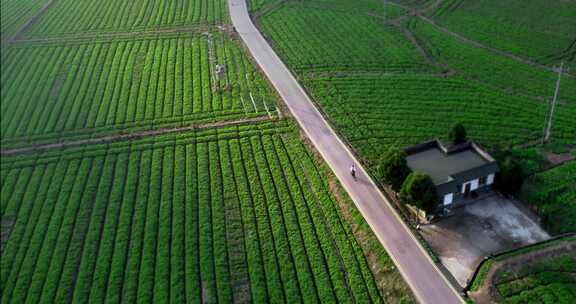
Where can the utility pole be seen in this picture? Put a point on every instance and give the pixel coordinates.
(548, 126)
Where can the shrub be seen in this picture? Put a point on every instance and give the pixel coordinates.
(511, 176)
(393, 169)
(457, 134)
(419, 190)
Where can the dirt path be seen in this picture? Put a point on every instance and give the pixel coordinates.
(100, 36)
(30, 22)
(125, 137)
(491, 49)
(421, 13)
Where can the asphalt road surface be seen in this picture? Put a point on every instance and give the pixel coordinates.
(419, 271)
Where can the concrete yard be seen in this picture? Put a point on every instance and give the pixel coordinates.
(489, 225)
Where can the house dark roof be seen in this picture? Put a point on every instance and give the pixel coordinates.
(443, 164)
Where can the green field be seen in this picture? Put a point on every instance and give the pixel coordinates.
(214, 198)
(409, 79)
(540, 273)
(78, 17)
(15, 13)
(374, 112)
(493, 70)
(218, 215)
(355, 39)
(553, 192)
(550, 281)
(542, 30)
(92, 87)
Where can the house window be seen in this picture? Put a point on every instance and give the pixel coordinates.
(482, 181)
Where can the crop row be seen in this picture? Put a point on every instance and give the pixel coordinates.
(495, 70)
(242, 219)
(553, 192)
(74, 17)
(14, 15)
(551, 280)
(338, 41)
(55, 89)
(373, 112)
(539, 30)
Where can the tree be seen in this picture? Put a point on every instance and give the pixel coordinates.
(419, 190)
(457, 134)
(511, 176)
(393, 169)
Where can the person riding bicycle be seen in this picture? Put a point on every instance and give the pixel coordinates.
(353, 170)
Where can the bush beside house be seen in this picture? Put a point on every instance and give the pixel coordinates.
(457, 134)
(393, 168)
(419, 190)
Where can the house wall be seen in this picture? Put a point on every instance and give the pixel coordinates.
(452, 199)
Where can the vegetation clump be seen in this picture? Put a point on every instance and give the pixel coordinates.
(511, 176)
(419, 190)
(393, 169)
(457, 134)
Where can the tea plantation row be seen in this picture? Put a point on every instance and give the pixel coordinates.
(57, 90)
(73, 17)
(407, 79)
(338, 41)
(221, 215)
(541, 30)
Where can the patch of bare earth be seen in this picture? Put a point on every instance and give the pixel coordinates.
(557, 159)
(6, 224)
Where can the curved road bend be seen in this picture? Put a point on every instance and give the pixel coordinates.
(425, 280)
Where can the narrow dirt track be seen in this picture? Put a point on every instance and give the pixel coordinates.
(125, 137)
(491, 49)
(417, 268)
(30, 22)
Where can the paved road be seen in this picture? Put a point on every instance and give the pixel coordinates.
(417, 268)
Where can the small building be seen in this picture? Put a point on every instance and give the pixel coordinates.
(459, 171)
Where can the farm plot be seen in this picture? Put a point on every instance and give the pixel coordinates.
(553, 192)
(375, 112)
(492, 69)
(73, 17)
(234, 214)
(315, 39)
(15, 13)
(542, 30)
(552, 281)
(50, 91)
(370, 7)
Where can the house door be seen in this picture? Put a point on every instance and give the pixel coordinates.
(467, 189)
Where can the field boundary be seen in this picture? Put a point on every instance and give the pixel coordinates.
(30, 22)
(486, 264)
(128, 136)
(151, 33)
(477, 44)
